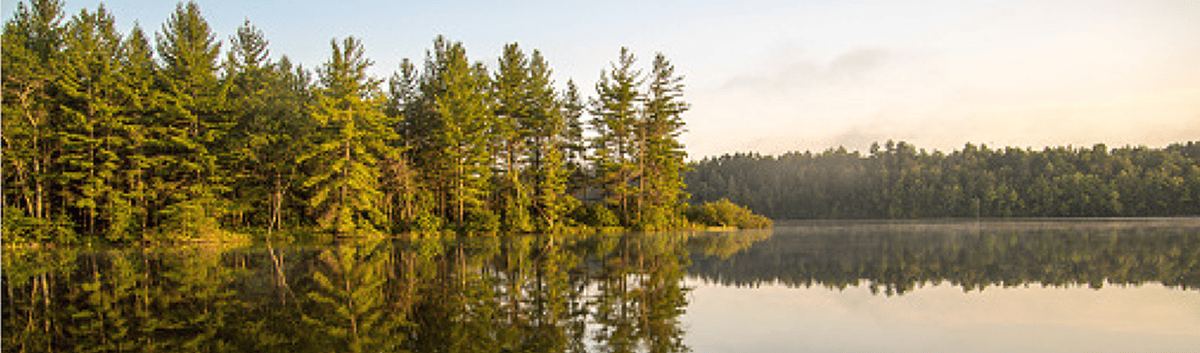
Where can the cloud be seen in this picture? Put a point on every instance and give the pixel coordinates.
(789, 70)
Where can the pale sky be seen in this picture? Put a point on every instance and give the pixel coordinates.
(778, 76)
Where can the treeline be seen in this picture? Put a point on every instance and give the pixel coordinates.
(111, 137)
(898, 180)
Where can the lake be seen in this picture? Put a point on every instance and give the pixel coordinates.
(1092, 285)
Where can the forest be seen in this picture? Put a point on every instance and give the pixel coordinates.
(900, 181)
(112, 137)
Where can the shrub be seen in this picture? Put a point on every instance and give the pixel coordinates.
(724, 213)
(20, 229)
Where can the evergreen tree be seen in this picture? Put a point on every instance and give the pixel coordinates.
(249, 73)
(662, 154)
(184, 138)
(574, 145)
(614, 147)
(90, 129)
(32, 42)
(351, 137)
(511, 135)
(457, 155)
(546, 160)
(270, 102)
(291, 96)
(411, 202)
(139, 104)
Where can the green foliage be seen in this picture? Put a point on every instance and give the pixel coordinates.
(352, 136)
(597, 215)
(899, 181)
(614, 149)
(19, 229)
(454, 154)
(662, 154)
(723, 213)
(111, 138)
(481, 221)
(191, 118)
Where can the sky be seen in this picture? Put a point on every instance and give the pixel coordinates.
(779, 76)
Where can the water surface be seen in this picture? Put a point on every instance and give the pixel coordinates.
(824, 286)
(993, 286)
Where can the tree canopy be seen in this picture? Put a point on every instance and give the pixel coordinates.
(188, 137)
(898, 180)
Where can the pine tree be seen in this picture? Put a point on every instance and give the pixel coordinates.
(410, 201)
(250, 76)
(614, 148)
(184, 137)
(269, 100)
(546, 126)
(288, 123)
(32, 42)
(574, 145)
(662, 152)
(90, 128)
(139, 104)
(351, 138)
(457, 155)
(510, 135)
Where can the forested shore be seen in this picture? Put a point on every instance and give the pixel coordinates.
(899, 180)
(112, 137)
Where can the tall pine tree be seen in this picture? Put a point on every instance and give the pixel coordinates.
(91, 131)
(457, 155)
(32, 43)
(662, 154)
(351, 137)
(139, 103)
(184, 138)
(546, 159)
(511, 135)
(269, 102)
(249, 73)
(575, 146)
(614, 147)
(411, 203)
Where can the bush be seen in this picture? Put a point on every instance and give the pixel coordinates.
(481, 221)
(723, 213)
(595, 215)
(21, 229)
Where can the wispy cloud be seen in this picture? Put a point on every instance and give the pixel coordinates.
(789, 70)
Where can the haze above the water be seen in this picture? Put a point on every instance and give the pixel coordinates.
(778, 76)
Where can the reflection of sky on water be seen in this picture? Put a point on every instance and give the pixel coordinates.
(774, 318)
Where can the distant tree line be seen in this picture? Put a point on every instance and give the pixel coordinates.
(111, 137)
(898, 180)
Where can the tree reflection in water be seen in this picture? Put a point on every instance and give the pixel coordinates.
(896, 257)
(611, 293)
(606, 293)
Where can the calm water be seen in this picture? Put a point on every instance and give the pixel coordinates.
(1045, 285)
